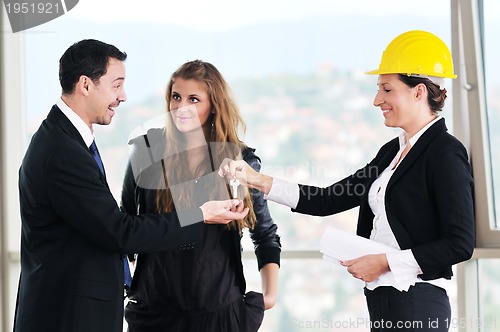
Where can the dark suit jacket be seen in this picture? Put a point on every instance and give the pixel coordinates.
(74, 234)
(428, 200)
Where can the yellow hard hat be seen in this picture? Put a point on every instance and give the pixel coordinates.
(416, 52)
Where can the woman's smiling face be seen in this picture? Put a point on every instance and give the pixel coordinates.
(189, 104)
(397, 101)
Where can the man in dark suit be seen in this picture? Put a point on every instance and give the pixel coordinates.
(74, 235)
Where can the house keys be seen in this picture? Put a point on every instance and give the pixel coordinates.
(234, 183)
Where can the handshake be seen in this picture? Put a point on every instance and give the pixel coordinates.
(236, 172)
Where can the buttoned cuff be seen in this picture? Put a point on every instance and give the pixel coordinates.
(284, 193)
(403, 265)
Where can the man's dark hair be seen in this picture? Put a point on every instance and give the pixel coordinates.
(88, 57)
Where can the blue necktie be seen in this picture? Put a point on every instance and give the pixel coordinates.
(97, 157)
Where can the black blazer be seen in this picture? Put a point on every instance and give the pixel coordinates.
(428, 201)
(74, 234)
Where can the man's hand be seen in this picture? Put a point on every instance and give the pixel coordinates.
(223, 212)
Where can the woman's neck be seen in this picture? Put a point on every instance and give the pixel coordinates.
(194, 139)
(410, 131)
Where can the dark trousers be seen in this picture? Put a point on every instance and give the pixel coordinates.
(424, 307)
(245, 314)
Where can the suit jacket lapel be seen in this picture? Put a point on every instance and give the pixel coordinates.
(384, 162)
(58, 117)
(364, 228)
(417, 150)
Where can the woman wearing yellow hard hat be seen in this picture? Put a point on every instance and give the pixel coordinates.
(415, 195)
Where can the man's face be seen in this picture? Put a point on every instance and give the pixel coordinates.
(107, 94)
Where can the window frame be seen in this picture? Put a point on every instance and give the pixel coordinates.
(471, 127)
(13, 144)
(469, 93)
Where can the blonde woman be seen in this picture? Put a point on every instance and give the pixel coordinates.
(199, 286)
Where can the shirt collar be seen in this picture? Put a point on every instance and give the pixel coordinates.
(80, 125)
(413, 140)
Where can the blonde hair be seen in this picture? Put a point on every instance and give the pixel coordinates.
(225, 122)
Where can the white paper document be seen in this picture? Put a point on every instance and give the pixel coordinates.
(337, 245)
(343, 246)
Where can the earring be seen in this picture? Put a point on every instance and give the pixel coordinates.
(212, 131)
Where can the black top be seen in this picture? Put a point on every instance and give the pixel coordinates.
(202, 277)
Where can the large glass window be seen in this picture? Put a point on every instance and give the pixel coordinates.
(489, 296)
(492, 77)
(297, 71)
(488, 268)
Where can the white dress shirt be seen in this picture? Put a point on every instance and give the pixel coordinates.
(80, 125)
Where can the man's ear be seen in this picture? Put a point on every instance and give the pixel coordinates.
(82, 86)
